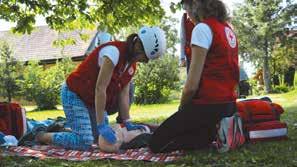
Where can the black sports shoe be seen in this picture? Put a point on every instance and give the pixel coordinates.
(29, 138)
(57, 127)
(139, 141)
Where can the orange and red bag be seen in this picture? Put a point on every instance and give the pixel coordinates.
(12, 119)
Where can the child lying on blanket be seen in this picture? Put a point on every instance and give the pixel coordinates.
(125, 139)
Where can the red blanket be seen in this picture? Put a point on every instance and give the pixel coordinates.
(59, 153)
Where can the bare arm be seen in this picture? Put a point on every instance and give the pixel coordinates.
(196, 68)
(103, 80)
(124, 103)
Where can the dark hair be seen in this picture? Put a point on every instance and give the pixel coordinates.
(131, 39)
(202, 9)
(185, 1)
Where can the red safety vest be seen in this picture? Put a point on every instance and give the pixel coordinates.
(220, 74)
(188, 27)
(83, 80)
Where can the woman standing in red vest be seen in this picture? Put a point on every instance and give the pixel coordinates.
(100, 84)
(209, 92)
(186, 29)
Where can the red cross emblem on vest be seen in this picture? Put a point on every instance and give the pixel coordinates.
(230, 37)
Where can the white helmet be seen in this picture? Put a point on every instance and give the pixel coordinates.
(153, 40)
(103, 37)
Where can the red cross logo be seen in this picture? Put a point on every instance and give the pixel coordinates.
(230, 37)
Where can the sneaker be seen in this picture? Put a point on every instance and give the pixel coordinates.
(56, 127)
(139, 141)
(29, 138)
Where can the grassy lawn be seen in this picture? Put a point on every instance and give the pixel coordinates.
(261, 154)
(146, 113)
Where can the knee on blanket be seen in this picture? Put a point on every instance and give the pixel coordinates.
(86, 143)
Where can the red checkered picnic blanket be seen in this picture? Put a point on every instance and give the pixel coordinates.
(46, 151)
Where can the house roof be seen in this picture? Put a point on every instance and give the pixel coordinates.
(39, 44)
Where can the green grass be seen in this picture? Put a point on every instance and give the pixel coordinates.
(276, 154)
(138, 112)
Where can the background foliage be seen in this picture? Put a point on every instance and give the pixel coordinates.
(10, 72)
(155, 80)
(112, 15)
(260, 26)
(43, 85)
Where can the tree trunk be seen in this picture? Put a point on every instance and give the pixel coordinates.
(266, 71)
(289, 76)
(9, 98)
(8, 94)
(275, 77)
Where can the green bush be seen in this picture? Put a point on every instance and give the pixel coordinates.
(43, 85)
(155, 80)
(281, 89)
(256, 88)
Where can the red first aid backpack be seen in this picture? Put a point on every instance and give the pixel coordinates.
(12, 119)
(230, 134)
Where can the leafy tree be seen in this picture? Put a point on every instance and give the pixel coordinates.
(284, 61)
(65, 66)
(258, 24)
(155, 80)
(168, 25)
(31, 85)
(43, 85)
(79, 14)
(10, 72)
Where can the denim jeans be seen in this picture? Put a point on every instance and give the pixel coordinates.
(78, 119)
